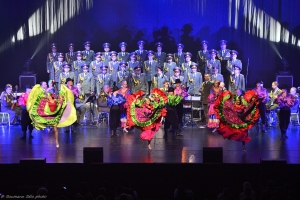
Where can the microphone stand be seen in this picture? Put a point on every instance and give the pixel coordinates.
(247, 72)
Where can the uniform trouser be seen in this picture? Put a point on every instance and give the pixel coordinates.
(26, 121)
(13, 114)
(262, 111)
(171, 119)
(205, 106)
(284, 119)
(80, 111)
(179, 109)
(149, 86)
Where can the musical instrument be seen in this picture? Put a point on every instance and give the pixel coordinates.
(136, 82)
(15, 98)
(192, 98)
(146, 68)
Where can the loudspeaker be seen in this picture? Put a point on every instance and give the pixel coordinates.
(92, 155)
(26, 80)
(285, 80)
(212, 155)
(33, 162)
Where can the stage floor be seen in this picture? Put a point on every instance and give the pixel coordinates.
(129, 148)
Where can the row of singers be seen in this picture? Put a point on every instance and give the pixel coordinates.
(59, 73)
(204, 56)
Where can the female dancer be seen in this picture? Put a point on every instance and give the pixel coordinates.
(47, 110)
(215, 91)
(236, 117)
(263, 99)
(114, 101)
(146, 113)
(285, 102)
(124, 91)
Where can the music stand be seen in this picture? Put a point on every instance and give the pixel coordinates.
(191, 100)
(91, 99)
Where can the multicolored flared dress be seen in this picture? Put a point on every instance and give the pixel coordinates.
(46, 110)
(146, 113)
(236, 117)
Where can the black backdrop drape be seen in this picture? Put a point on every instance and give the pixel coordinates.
(260, 30)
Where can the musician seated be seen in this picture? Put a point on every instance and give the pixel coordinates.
(82, 106)
(101, 101)
(165, 89)
(9, 105)
(271, 105)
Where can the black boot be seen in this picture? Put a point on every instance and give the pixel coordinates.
(112, 134)
(24, 135)
(166, 134)
(30, 134)
(178, 133)
(264, 128)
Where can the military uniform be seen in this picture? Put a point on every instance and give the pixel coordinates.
(103, 79)
(51, 57)
(133, 62)
(194, 81)
(179, 56)
(217, 77)
(95, 66)
(56, 69)
(6, 106)
(76, 65)
(160, 56)
(113, 68)
(138, 82)
(174, 77)
(212, 63)
(141, 54)
(159, 80)
(272, 105)
(64, 75)
(88, 55)
(123, 56)
(122, 75)
(132, 65)
(224, 55)
(81, 106)
(237, 81)
(202, 57)
(150, 68)
(169, 66)
(106, 54)
(86, 80)
(71, 55)
(233, 62)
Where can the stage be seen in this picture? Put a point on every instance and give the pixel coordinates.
(129, 148)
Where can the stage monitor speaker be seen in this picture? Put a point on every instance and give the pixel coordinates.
(33, 162)
(212, 155)
(26, 80)
(285, 80)
(92, 155)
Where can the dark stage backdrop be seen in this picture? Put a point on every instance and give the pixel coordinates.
(262, 31)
